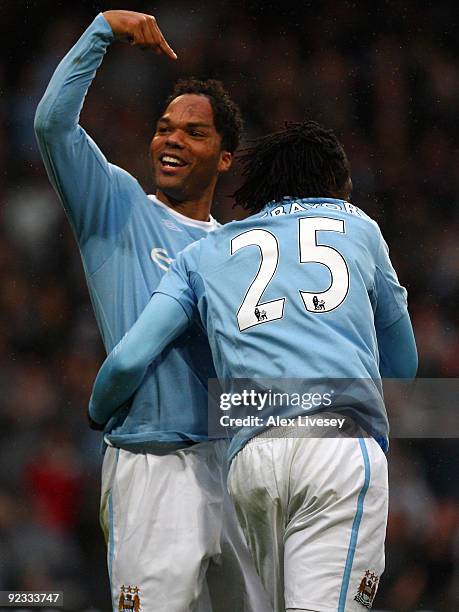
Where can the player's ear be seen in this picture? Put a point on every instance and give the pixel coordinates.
(226, 159)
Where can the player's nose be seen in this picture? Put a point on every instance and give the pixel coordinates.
(175, 140)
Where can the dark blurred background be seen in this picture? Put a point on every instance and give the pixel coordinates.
(385, 76)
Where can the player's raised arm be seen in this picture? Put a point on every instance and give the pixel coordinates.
(123, 370)
(76, 167)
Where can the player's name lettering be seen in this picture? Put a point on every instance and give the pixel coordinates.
(290, 208)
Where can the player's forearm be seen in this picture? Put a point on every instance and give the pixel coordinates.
(77, 169)
(162, 320)
(60, 107)
(114, 385)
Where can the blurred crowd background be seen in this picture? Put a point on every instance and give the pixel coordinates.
(385, 75)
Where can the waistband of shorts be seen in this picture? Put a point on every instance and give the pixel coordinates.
(155, 448)
(296, 431)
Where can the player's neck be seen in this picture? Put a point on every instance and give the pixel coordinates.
(196, 208)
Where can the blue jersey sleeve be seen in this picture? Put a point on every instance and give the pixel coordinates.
(82, 177)
(390, 297)
(182, 281)
(123, 370)
(396, 344)
(398, 356)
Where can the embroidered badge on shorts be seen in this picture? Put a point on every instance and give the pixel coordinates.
(129, 599)
(367, 589)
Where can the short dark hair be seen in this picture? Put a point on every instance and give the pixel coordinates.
(227, 115)
(302, 160)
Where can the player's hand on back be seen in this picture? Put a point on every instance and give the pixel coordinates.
(139, 29)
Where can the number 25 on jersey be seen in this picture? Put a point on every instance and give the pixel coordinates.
(253, 312)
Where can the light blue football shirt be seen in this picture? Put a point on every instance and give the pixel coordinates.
(127, 241)
(296, 291)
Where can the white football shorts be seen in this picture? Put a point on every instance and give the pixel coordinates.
(173, 540)
(314, 512)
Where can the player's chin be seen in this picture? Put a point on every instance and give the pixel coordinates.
(169, 182)
(173, 188)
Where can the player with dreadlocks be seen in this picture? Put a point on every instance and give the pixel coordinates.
(305, 160)
(302, 289)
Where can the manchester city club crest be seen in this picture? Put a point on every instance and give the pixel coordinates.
(367, 589)
(129, 599)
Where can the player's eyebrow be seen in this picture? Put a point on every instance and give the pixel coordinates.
(197, 124)
(189, 124)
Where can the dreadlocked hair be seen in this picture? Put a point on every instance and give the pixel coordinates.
(227, 115)
(302, 160)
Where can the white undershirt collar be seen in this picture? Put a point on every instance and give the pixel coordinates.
(207, 226)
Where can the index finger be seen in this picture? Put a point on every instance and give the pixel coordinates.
(167, 49)
(162, 43)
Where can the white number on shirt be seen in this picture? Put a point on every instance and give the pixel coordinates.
(310, 251)
(253, 312)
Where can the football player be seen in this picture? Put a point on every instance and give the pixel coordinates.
(313, 507)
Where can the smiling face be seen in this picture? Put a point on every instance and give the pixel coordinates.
(186, 151)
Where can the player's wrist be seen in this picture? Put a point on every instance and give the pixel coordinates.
(104, 28)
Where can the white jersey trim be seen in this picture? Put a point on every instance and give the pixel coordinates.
(207, 226)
